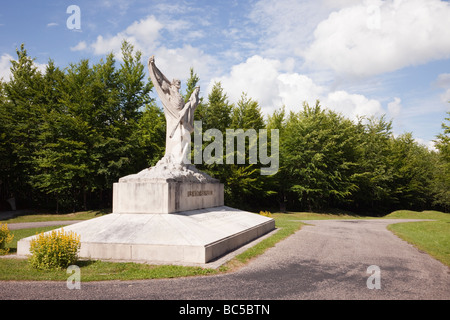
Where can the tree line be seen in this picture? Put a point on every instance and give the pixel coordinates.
(66, 135)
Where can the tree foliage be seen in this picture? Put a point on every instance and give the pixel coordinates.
(66, 135)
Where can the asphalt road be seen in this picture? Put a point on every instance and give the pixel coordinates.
(327, 259)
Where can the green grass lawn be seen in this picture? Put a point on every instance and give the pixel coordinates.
(83, 215)
(431, 237)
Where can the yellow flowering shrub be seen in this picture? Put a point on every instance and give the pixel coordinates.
(265, 213)
(54, 250)
(5, 238)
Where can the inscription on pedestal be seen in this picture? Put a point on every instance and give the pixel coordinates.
(147, 197)
(201, 193)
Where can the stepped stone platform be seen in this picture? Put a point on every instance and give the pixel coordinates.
(169, 220)
(195, 236)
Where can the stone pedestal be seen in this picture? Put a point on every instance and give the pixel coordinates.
(166, 214)
(165, 197)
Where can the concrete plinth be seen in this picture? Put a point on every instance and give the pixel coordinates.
(170, 213)
(165, 197)
(188, 237)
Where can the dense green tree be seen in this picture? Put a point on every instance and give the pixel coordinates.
(441, 181)
(245, 185)
(247, 114)
(21, 115)
(317, 151)
(374, 175)
(217, 113)
(151, 133)
(278, 184)
(412, 173)
(66, 135)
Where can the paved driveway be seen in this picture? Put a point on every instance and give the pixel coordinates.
(327, 259)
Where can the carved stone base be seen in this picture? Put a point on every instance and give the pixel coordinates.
(186, 238)
(170, 213)
(165, 197)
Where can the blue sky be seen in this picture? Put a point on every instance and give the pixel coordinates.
(358, 57)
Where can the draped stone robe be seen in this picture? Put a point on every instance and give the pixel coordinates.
(179, 116)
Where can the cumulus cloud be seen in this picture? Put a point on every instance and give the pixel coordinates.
(79, 47)
(286, 26)
(443, 81)
(395, 107)
(5, 66)
(430, 144)
(265, 81)
(176, 63)
(353, 105)
(375, 36)
(257, 77)
(143, 34)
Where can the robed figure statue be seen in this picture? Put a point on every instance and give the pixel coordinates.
(179, 115)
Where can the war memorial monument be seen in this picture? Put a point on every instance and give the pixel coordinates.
(171, 213)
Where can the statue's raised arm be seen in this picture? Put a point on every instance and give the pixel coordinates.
(157, 77)
(179, 116)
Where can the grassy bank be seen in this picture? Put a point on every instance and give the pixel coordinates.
(432, 237)
(83, 215)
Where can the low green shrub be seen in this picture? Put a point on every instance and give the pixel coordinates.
(54, 250)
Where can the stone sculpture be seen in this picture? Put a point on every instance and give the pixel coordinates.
(179, 115)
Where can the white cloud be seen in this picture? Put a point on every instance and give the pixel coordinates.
(430, 144)
(52, 24)
(176, 63)
(5, 66)
(374, 37)
(395, 107)
(79, 47)
(443, 81)
(41, 67)
(352, 105)
(285, 26)
(295, 88)
(263, 80)
(257, 77)
(445, 97)
(143, 34)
